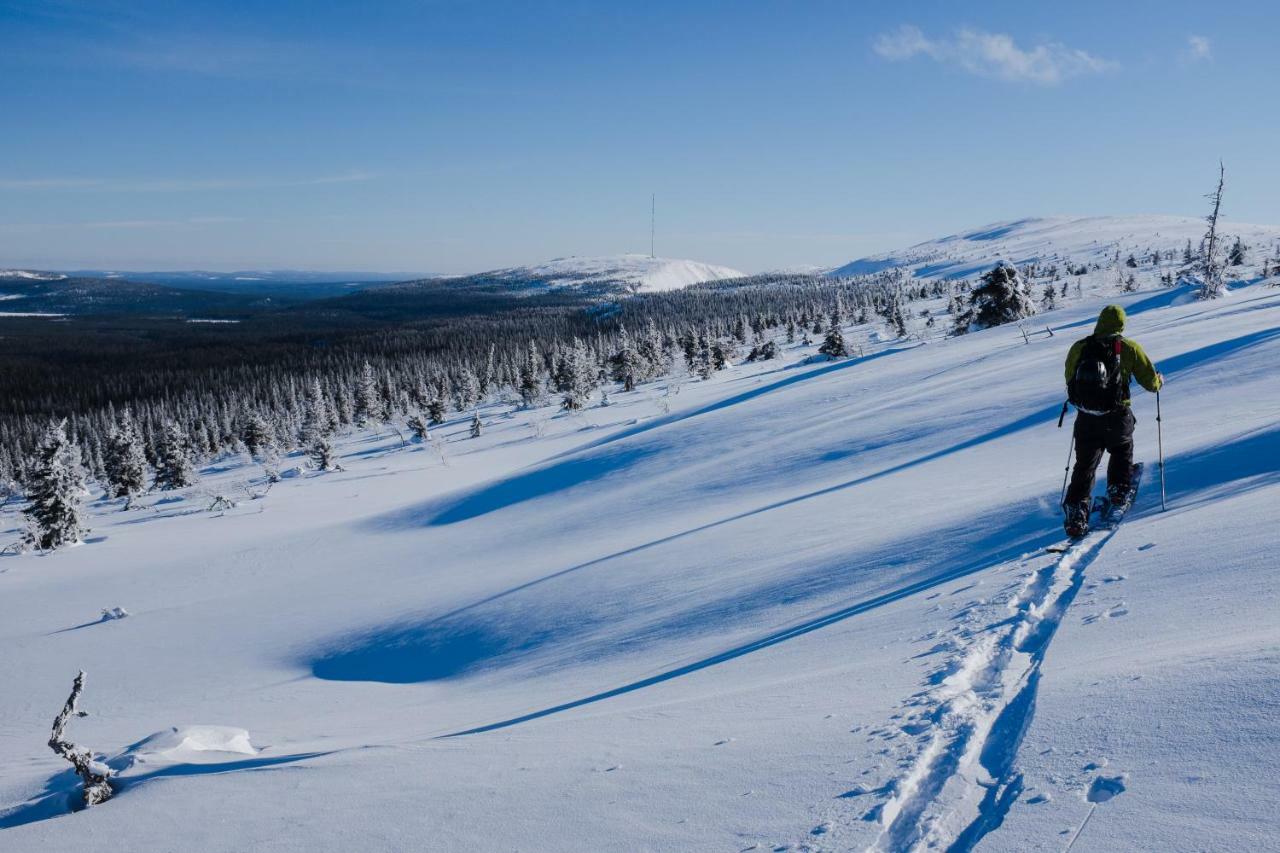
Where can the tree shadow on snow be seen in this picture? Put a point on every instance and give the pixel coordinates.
(500, 627)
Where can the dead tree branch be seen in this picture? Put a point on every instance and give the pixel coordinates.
(96, 776)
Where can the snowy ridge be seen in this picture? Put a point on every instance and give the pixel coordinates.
(1080, 240)
(640, 273)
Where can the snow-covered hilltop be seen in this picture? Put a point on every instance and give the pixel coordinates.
(637, 273)
(31, 275)
(1078, 240)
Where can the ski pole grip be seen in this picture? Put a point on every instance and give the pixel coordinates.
(1062, 416)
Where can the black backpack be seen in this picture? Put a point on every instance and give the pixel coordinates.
(1097, 387)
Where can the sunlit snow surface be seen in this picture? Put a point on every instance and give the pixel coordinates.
(804, 606)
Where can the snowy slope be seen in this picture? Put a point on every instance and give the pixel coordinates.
(797, 606)
(640, 273)
(1080, 240)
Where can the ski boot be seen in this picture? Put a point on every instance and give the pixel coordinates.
(1120, 496)
(1076, 523)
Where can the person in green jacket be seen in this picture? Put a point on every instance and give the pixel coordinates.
(1099, 370)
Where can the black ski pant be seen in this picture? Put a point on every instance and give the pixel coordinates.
(1112, 433)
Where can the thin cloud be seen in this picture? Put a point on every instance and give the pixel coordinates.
(992, 55)
(1199, 49)
(167, 185)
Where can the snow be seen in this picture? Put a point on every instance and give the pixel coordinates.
(797, 606)
(30, 314)
(641, 273)
(31, 275)
(1081, 240)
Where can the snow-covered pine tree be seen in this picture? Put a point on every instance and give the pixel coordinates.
(1235, 257)
(56, 485)
(489, 375)
(1001, 297)
(475, 425)
(579, 376)
(466, 389)
(174, 467)
(368, 398)
(833, 344)
(531, 377)
(256, 435)
(625, 363)
(418, 425)
(704, 360)
(321, 453)
(1050, 299)
(124, 463)
(436, 407)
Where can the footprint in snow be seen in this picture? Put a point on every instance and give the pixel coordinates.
(1147, 547)
(1118, 611)
(723, 742)
(1037, 799)
(820, 829)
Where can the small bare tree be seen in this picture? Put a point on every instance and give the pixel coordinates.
(1211, 285)
(96, 776)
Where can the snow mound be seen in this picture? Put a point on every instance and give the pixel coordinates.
(1080, 240)
(186, 745)
(640, 273)
(32, 275)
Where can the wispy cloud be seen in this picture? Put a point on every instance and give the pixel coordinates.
(1198, 49)
(174, 185)
(992, 55)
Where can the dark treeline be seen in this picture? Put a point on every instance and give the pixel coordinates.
(279, 381)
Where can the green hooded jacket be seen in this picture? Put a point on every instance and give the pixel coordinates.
(1134, 363)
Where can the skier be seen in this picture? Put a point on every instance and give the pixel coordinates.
(1098, 372)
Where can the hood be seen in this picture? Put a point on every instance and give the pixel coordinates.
(1110, 322)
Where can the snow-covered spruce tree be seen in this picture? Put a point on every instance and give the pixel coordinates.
(368, 398)
(833, 345)
(174, 466)
(255, 433)
(56, 485)
(531, 377)
(624, 365)
(475, 425)
(418, 425)
(579, 376)
(321, 453)
(436, 407)
(1002, 296)
(1236, 256)
(124, 462)
(489, 375)
(466, 389)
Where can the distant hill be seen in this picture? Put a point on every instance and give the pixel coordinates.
(1080, 240)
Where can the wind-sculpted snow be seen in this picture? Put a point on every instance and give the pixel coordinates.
(797, 606)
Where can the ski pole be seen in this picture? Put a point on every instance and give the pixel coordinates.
(1062, 416)
(1066, 472)
(1160, 445)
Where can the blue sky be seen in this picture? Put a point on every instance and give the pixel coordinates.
(452, 137)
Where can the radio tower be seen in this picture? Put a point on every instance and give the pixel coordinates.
(653, 207)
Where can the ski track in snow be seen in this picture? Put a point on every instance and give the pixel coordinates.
(970, 722)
